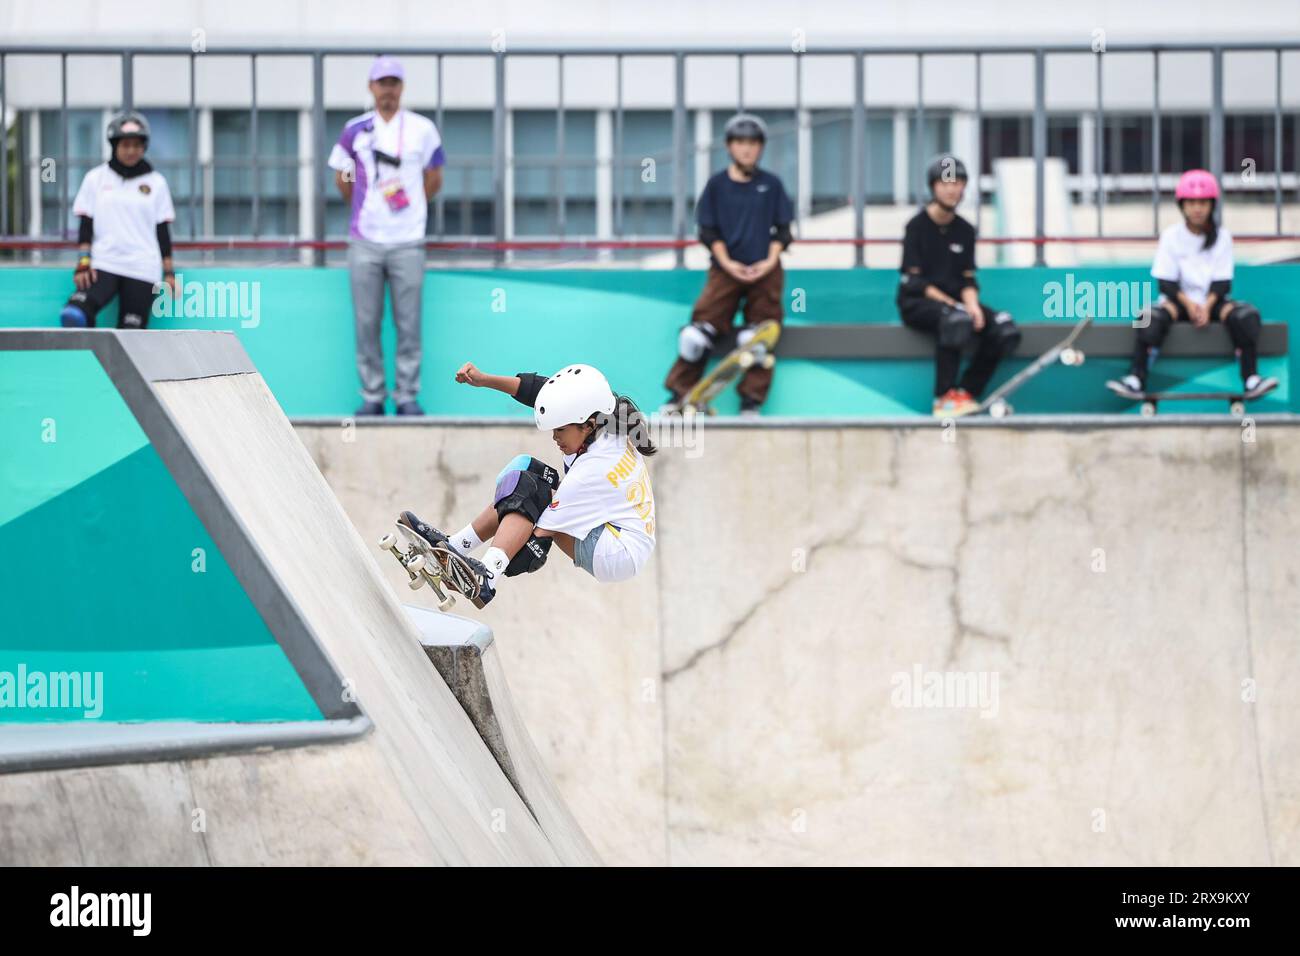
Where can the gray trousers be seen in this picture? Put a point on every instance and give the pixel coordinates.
(370, 264)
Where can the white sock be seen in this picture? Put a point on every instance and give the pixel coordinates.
(467, 540)
(496, 561)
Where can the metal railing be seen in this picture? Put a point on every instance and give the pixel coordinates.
(678, 155)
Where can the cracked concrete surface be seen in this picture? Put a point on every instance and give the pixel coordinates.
(1128, 589)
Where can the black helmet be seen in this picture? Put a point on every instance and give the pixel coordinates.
(746, 126)
(128, 123)
(947, 167)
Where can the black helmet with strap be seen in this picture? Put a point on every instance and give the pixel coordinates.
(128, 123)
(745, 126)
(946, 167)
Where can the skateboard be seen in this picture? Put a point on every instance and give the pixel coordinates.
(759, 350)
(436, 565)
(1151, 400)
(996, 403)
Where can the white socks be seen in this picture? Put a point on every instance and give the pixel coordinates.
(496, 560)
(467, 540)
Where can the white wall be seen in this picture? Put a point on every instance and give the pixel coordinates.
(573, 24)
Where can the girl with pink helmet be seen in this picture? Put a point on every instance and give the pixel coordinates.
(1193, 267)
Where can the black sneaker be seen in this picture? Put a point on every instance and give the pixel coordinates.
(410, 408)
(369, 409)
(469, 576)
(749, 408)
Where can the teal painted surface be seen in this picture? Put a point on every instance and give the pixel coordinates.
(100, 572)
(298, 330)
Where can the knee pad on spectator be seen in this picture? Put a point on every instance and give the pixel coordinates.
(955, 327)
(132, 321)
(530, 557)
(1245, 320)
(524, 487)
(72, 317)
(695, 341)
(1152, 324)
(1006, 333)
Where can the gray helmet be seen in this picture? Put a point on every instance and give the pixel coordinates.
(745, 126)
(947, 167)
(128, 123)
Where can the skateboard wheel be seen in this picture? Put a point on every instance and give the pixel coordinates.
(745, 359)
(415, 583)
(416, 564)
(1237, 408)
(769, 361)
(688, 410)
(1071, 357)
(999, 409)
(446, 603)
(388, 541)
(1148, 409)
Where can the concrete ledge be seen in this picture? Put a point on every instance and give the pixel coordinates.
(87, 743)
(896, 341)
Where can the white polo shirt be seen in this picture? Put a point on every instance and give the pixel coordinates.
(1182, 257)
(126, 213)
(388, 202)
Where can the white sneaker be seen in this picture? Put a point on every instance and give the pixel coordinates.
(1252, 383)
(1131, 382)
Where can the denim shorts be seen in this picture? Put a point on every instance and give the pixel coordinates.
(584, 551)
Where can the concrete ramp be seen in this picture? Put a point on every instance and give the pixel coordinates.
(464, 653)
(391, 772)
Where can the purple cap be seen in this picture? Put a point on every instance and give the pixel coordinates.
(386, 66)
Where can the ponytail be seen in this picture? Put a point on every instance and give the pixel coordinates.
(629, 424)
(1211, 227)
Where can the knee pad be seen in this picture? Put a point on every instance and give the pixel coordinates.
(131, 321)
(524, 487)
(530, 557)
(1153, 323)
(1244, 319)
(72, 317)
(695, 341)
(1005, 332)
(955, 327)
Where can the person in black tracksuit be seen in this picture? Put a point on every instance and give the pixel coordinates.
(938, 294)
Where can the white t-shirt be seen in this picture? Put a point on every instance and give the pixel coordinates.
(126, 214)
(1182, 258)
(388, 202)
(609, 483)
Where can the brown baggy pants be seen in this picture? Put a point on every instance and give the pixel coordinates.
(717, 307)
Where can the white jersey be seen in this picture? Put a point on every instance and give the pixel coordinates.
(1182, 257)
(609, 484)
(388, 202)
(126, 213)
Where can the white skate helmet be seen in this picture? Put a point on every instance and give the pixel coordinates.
(572, 395)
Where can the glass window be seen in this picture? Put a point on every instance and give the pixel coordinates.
(86, 149)
(275, 166)
(539, 172)
(831, 158)
(644, 173)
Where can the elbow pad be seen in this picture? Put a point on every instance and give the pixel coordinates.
(709, 235)
(912, 283)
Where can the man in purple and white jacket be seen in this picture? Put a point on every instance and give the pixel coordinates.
(388, 166)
